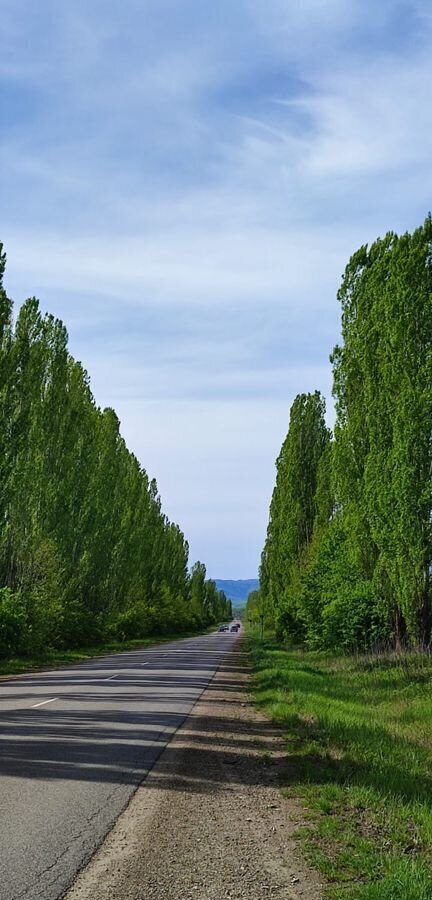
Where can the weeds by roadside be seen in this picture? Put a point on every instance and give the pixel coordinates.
(359, 739)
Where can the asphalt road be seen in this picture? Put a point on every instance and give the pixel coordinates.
(74, 745)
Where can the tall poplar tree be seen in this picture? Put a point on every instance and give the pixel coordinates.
(383, 450)
(85, 548)
(292, 510)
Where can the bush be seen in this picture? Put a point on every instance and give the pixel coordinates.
(81, 627)
(351, 622)
(138, 621)
(13, 623)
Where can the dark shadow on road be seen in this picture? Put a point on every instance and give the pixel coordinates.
(118, 739)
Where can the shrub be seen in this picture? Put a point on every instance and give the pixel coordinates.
(13, 623)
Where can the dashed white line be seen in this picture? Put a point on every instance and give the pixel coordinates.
(110, 678)
(35, 706)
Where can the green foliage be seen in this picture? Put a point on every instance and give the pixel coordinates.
(339, 607)
(254, 607)
(137, 621)
(86, 552)
(207, 603)
(13, 622)
(293, 512)
(383, 448)
(348, 557)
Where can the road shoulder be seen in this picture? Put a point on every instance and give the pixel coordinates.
(209, 821)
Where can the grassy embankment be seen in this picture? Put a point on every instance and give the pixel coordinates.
(359, 737)
(53, 658)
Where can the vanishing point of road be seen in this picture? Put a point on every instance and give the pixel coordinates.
(74, 745)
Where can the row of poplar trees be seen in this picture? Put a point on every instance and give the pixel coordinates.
(347, 562)
(86, 552)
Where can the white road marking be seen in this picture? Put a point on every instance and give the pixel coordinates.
(110, 678)
(35, 706)
(145, 664)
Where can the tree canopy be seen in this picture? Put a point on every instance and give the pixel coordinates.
(86, 551)
(348, 556)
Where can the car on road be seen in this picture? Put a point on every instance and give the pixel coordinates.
(223, 627)
(235, 627)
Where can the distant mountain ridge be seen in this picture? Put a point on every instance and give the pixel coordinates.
(237, 591)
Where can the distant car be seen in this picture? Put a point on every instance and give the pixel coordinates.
(235, 627)
(223, 627)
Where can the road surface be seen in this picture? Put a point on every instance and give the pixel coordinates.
(209, 821)
(74, 745)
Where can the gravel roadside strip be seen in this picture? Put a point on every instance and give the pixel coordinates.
(209, 821)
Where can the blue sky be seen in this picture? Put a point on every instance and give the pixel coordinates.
(183, 183)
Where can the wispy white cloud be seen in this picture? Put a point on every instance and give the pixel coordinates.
(371, 125)
(187, 265)
(183, 183)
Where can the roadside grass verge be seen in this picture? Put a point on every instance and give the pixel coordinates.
(52, 658)
(359, 739)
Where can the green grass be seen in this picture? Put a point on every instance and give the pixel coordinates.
(52, 658)
(359, 739)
